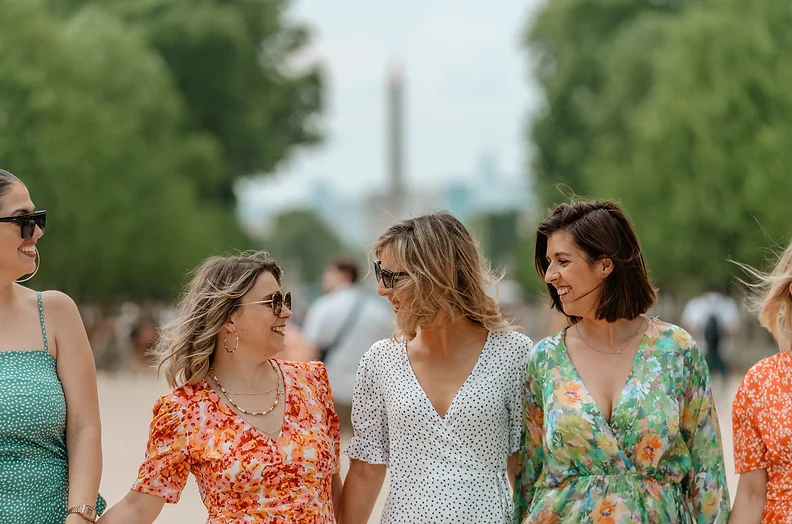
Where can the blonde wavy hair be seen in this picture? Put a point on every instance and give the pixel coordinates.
(186, 345)
(447, 272)
(771, 299)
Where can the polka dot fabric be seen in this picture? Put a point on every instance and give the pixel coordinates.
(762, 424)
(33, 462)
(442, 470)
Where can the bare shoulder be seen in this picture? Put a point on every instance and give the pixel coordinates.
(59, 306)
(64, 323)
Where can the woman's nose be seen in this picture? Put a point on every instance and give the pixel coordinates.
(285, 312)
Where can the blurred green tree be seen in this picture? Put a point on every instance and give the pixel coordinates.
(91, 121)
(689, 130)
(304, 242)
(497, 233)
(130, 121)
(567, 42)
(236, 65)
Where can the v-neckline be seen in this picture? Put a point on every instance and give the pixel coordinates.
(444, 418)
(598, 411)
(225, 406)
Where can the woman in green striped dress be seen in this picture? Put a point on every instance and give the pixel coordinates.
(50, 437)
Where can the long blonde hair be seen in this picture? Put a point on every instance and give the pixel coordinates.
(447, 272)
(186, 346)
(771, 298)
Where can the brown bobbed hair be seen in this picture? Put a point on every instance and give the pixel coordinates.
(601, 230)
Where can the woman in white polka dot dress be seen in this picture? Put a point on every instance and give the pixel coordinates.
(50, 445)
(439, 405)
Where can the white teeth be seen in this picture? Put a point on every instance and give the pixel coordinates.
(279, 330)
(563, 291)
(28, 249)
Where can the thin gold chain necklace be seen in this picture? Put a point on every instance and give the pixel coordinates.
(243, 410)
(256, 394)
(609, 352)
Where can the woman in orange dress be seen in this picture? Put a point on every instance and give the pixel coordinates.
(260, 435)
(762, 410)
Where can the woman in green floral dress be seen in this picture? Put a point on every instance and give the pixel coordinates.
(620, 425)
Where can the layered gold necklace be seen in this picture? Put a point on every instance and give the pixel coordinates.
(243, 410)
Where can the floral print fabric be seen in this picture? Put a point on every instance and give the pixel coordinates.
(243, 475)
(659, 459)
(762, 423)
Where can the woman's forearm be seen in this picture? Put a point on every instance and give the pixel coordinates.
(84, 449)
(362, 486)
(337, 488)
(748, 507)
(135, 508)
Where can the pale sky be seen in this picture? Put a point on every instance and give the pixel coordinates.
(468, 91)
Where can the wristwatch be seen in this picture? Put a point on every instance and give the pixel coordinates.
(85, 511)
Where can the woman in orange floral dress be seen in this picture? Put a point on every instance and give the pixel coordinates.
(260, 435)
(762, 411)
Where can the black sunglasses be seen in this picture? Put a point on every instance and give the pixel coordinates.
(27, 223)
(388, 278)
(277, 302)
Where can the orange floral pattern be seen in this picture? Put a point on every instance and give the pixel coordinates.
(762, 423)
(650, 450)
(609, 510)
(570, 393)
(243, 475)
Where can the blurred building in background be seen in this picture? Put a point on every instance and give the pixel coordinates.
(359, 220)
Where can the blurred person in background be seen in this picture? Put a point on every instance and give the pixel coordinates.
(50, 433)
(341, 326)
(260, 435)
(439, 404)
(620, 425)
(762, 408)
(711, 319)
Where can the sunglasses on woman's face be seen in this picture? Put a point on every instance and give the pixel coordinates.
(277, 302)
(27, 223)
(388, 278)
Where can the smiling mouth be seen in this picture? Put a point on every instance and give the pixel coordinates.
(281, 330)
(28, 250)
(563, 291)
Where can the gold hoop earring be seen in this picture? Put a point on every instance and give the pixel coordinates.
(225, 343)
(33, 274)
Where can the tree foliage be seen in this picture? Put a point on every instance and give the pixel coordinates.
(688, 126)
(95, 122)
(304, 242)
(231, 63)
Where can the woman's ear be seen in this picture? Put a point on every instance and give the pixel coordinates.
(229, 325)
(606, 266)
